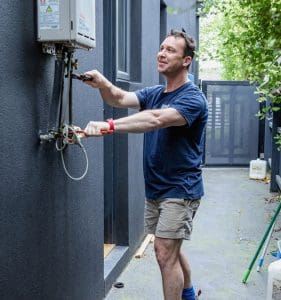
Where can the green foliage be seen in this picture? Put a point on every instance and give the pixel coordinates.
(248, 44)
(248, 41)
(278, 141)
(209, 35)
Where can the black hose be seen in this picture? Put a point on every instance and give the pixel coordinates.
(56, 103)
(70, 104)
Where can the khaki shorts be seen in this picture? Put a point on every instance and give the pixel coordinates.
(170, 218)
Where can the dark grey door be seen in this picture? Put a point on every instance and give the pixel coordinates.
(233, 128)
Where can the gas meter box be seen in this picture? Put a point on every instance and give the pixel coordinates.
(69, 22)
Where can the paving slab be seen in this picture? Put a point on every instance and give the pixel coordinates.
(231, 221)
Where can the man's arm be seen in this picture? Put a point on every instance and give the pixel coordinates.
(143, 121)
(110, 93)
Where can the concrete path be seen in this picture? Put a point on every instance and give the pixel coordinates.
(228, 228)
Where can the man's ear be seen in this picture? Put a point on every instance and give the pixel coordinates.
(187, 61)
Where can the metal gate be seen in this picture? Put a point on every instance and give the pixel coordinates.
(232, 134)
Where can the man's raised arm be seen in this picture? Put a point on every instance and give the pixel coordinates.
(111, 94)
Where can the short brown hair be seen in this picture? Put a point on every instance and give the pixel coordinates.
(190, 43)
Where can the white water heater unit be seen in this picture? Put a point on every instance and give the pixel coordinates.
(69, 22)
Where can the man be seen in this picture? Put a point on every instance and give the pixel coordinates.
(173, 118)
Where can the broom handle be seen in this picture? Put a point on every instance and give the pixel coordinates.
(261, 259)
(248, 271)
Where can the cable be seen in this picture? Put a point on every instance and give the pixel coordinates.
(58, 148)
(87, 164)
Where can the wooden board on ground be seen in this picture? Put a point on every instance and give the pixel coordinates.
(149, 238)
(107, 248)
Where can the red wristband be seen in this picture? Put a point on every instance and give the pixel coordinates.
(111, 124)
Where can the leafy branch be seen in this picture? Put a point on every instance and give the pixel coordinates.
(248, 44)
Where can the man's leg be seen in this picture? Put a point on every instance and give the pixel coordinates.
(168, 257)
(171, 221)
(188, 291)
(186, 271)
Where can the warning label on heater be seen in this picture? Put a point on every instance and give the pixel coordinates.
(49, 16)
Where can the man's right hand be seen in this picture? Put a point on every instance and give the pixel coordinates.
(111, 94)
(98, 80)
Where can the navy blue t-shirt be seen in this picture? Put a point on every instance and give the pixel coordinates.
(173, 155)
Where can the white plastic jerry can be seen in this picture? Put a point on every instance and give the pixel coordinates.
(274, 281)
(257, 169)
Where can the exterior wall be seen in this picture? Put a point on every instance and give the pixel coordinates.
(272, 154)
(184, 16)
(144, 52)
(275, 158)
(51, 227)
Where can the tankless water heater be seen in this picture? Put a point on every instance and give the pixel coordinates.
(69, 22)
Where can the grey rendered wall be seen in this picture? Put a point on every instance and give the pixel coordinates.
(150, 11)
(51, 228)
(149, 43)
(184, 16)
(268, 135)
(180, 14)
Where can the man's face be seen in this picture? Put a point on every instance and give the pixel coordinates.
(170, 58)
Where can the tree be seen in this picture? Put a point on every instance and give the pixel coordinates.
(248, 44)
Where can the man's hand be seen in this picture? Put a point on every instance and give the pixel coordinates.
(97, 128)
(97, 79)
(111, 94)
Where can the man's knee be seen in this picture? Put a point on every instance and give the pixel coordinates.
(167, 251)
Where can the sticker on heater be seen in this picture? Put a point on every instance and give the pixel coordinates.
(49, 14)
(83, 25)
